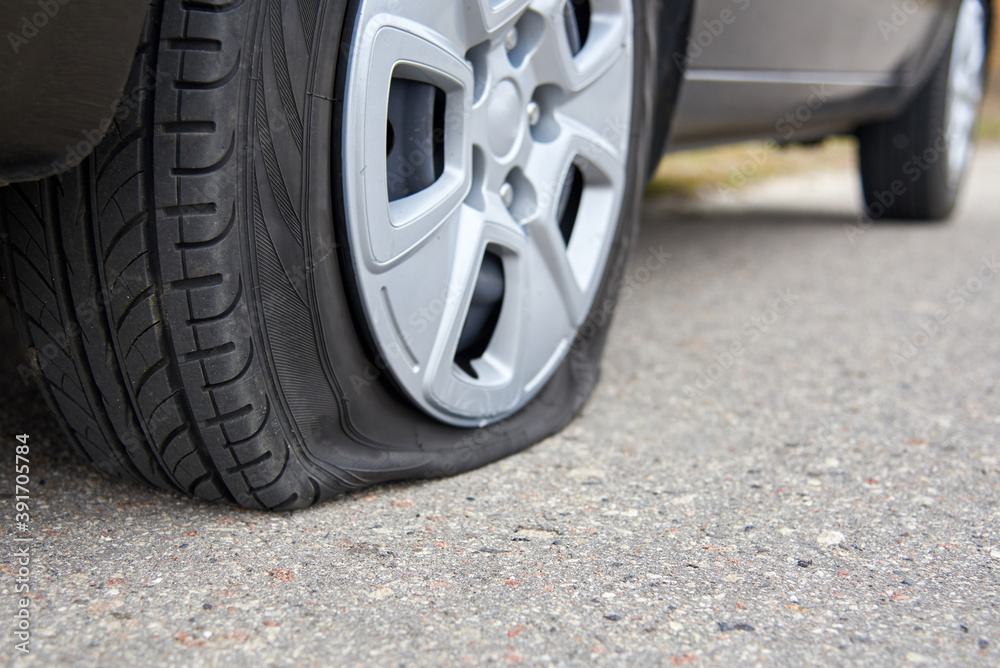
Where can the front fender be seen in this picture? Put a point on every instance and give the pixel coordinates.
(673, 25)
(64, 64)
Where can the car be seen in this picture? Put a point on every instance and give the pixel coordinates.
(267, 252)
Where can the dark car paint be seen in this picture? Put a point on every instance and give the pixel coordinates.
(63, 65)
(674, 25)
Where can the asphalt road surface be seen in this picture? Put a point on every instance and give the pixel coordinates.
(792, 458)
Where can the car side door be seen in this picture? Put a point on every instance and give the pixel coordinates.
(752, 63)
(823, 36)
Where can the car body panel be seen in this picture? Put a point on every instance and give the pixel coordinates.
(64, 65)
(797, 71)
(674, 24)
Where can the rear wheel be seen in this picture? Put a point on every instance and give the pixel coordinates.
(912, 166)
(331, 244)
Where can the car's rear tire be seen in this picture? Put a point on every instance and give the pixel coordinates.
(190, 296)
(913, 166)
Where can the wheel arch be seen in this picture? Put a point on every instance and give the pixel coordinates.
(673, 25)
(64, 70)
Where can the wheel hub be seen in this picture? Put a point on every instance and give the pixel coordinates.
(504, 105)
(485, 157)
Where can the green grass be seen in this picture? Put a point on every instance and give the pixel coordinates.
(691, 173)
(989, 130)
(989, 123)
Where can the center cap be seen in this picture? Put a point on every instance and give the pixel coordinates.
(504, 104)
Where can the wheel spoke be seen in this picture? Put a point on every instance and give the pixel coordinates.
(494, 14)
(589, 107)
(550, 162)
(552, 251)
(576, 267)
(441, 377)
(555, 63)
(396, 228)
(412, 220)
(412, 294)
(449, 30)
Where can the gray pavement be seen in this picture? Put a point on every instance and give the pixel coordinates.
(792, 458)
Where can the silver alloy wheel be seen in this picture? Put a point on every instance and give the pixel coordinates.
(486, 149)
(965, 87)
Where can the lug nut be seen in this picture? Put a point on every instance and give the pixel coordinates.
(511, 39)
(534, 113)
(507, 194)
